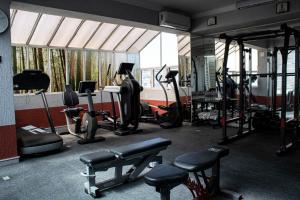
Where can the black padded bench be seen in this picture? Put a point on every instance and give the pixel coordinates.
(138, 156)
(195, 163)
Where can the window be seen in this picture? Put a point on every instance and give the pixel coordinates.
(19, 59)
(58, 70)
(75, 62)
(106, 59)
(135, 58)
(162, 76)
(38, 58)
(150, 55)
(254, 64)
(169, 54)
(290, 69)
(162, 50)
(147, 78)
(92, 67)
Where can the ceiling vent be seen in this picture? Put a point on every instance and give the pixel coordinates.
(240, 4)
(174, 20)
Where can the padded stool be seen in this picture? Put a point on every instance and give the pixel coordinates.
(202, 160)
(164, 178)
(195, 162)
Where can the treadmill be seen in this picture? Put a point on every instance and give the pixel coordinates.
(31, 139)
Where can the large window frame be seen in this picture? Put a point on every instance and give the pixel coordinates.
(67, 65)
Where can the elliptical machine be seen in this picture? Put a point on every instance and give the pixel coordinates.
(173, 116)
(128, 98)
(87, 125)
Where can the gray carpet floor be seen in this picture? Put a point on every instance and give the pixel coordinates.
(252, 168)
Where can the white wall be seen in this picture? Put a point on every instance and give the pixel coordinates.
(31, 101)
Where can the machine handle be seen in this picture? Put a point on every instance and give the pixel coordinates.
(40, 91)
(158, 73)
(86, 175)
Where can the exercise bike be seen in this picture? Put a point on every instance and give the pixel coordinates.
(173, 116)
(86, 127)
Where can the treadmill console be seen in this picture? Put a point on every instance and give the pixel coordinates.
(125, 67)
(86, 85)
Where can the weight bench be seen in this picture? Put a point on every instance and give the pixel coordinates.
(165, 177)
(139, 155)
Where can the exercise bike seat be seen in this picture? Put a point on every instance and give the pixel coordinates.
(70, 98)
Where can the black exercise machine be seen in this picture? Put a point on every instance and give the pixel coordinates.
(88, 124)
(173, 116)
(138, 155)
(128, 98)
(284, 32)
(164, 177)
(33, 140)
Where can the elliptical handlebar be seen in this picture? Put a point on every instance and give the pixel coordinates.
(158, 77)
(159, 73)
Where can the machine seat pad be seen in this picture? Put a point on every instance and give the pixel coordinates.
(221, 151)
(197, 161)
(26, 139)
(97, 158)
(166, 175)
(140, 147)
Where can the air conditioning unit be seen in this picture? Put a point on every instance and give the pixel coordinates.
(240, 4)
(174, 20)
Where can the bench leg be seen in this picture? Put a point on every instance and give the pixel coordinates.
(164, 193)
(140, 167)
(90, 185)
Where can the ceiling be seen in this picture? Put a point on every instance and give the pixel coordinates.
(190, 7)
(44, 30)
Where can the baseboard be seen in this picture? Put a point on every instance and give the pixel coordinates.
(9, 161)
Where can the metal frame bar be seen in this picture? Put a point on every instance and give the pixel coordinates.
(33, 28)
(187, 53)
(137, 40)
(224, 97)
(297, 86)
(111, 33)
(274, 81)
(182, 39)
(284, 54)
(98, 27)
(241, 87)
(184, 46)
(75, 33)
(116, 46)
(12, 18)
(150, 41)
(55, 31)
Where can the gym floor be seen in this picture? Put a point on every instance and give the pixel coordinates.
(252, 168)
